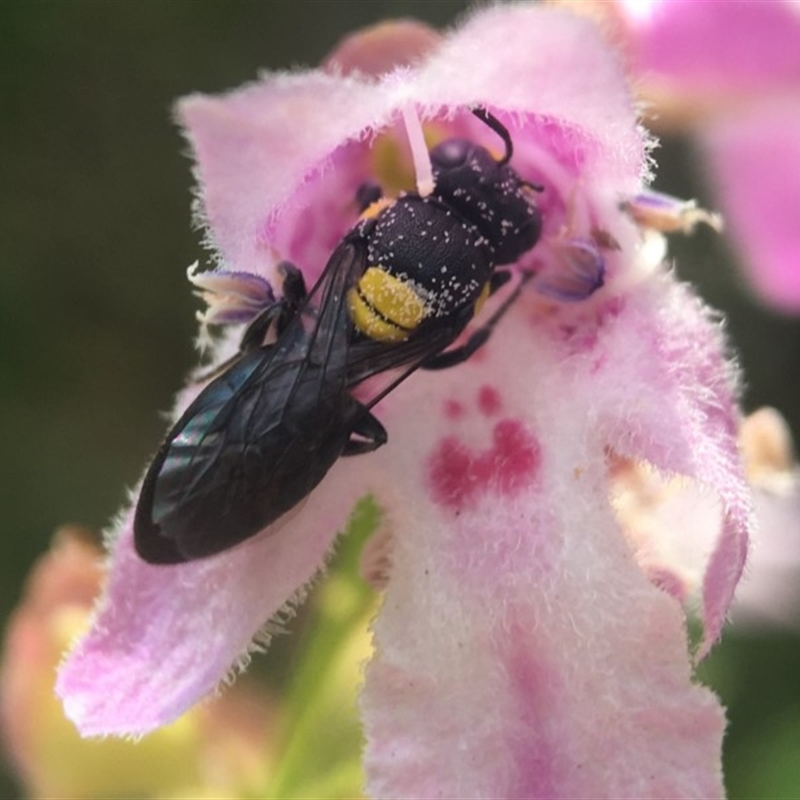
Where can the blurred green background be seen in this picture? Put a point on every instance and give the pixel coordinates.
(96, 320)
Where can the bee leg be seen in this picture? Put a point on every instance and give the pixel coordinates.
(368, 193)
(500, 278)
(373, 435)
(458, 355)
(252, 338)
(451, 358)
(278, 313)
(294, 285)
(257, 330)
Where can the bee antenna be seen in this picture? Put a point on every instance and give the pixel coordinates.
(487, 118)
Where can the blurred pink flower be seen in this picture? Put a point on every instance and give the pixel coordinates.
(730, 72)
(770, 591)
(520, 649)
(221, 749)
(651, 506)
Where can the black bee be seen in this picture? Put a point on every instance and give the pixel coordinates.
(395, 294)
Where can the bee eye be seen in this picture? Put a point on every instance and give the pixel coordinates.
(451, 154)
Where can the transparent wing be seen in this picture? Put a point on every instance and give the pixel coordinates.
(206, 486)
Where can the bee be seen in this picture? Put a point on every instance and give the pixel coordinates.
(396, 293)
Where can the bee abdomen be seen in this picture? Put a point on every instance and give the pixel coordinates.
(384, 307)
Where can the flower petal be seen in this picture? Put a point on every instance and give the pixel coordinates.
(717, 47)
(516, 623)
(256, 145)
(680, 415)
(164, 637)
(754, 165)
(383, 47)
(553, 65)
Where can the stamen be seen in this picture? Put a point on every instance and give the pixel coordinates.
(575, 271)
(419, 151)
(231, 297)
(668, 214)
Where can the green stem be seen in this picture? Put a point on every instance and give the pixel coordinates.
(344, 605)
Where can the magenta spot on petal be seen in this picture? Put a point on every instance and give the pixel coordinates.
(489, 401)
(459, 476)
(453, 409)
(535, 688)
(450, 472)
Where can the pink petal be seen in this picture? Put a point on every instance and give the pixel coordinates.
(717, 46)
(517, 624)
(279, 162)
(255, 146)
(166, 636)
(686, 385)
(383, 47)
(754, 164)
(520, 650)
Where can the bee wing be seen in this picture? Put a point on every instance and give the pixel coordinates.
(369, 358)
(383, 366)
(210, 484)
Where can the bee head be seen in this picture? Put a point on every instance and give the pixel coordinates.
(489, 194)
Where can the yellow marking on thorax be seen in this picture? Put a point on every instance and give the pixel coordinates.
(384, 307)
(482, 298)
(496, 154)
(373, 209)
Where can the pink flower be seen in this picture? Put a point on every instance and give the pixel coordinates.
(219, 749)
(651, 505)
(730, 72)
(520, 650)
(770, 593)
